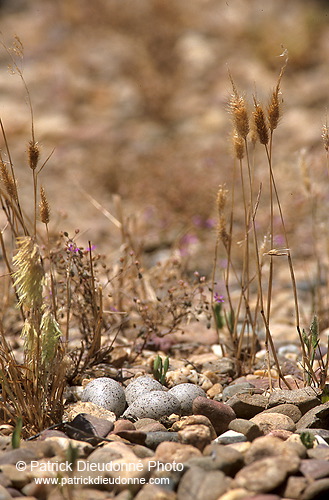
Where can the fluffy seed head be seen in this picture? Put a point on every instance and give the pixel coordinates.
(34, 154)
(49, 337)
(240, 115)
(44, 207)
(273, 110)
(260, 124)
(28, 278)
(239, 111)
(8, 181)
(221, 226)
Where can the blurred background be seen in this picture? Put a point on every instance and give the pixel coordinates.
(132, 96)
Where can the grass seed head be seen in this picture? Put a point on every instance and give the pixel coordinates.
(221, 226)
(33, 154)
(50, 335)
(273, 110)
(239, 111)
(28, 278)
(240, 115)
(260, 124)
(8, 181)
(44, 207)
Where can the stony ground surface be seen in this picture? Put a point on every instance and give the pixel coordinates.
(235, 441)
(134, 102)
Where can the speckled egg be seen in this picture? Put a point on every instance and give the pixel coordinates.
(186, 394)
(141, 385)
(107, 393)
(155, 404)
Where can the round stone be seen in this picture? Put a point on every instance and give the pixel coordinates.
(219, 414)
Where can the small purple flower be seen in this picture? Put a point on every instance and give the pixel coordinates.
(219, 299)
(72, 248)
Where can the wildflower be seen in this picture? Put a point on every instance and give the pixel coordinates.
(219, 299)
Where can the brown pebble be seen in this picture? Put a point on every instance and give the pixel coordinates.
(219, 414)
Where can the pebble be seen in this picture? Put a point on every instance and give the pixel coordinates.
(199, 379)
(247, 405)
(123, 425)
(223, 366)
(83, 425)
(224, 458)
(149, 425)
(197, 435)
(240, 388)
(315, 490)
(136, 437)
(230, 437)
(118, 453)
(290, 410)
(4, 493)
(219, 414)
(266, 474)
(169, 452)
(317, 417)
(305, 398)
(246, 427)
(154, 439)
(295, 486)
(268, 446)
(185, 422)
(235, 494)
(155, 404)
(197, 483)
(107, 393)
(142, 451)
(91, 408)
(281, 434)
(15, 478)
(186, 394)
(268, 422)
(141, 385)
(176, 377)
(153, 492)
(288, 349)
(215, 390)
(319, 452)
(314, 468)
